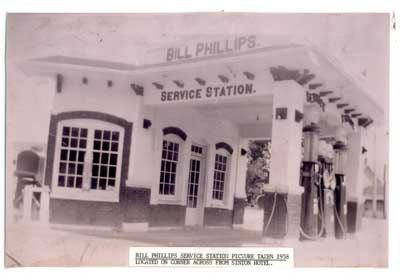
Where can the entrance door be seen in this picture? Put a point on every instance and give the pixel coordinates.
(195, 188)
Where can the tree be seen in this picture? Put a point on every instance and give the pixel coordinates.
(258, 167)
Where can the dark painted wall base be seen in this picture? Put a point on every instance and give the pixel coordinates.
(167, 215)
(354, 216)
(294, 208)
(285, 220)
(135, 205)
(275, 226)
(78, 212)
(132, 208)
(238, 210)
(218, 217)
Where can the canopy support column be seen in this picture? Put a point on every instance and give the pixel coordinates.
(355, 177)
(283, 195)
(240, 199)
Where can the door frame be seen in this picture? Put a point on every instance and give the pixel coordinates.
(202, 184)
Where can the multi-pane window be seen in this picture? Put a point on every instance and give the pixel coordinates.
(89, 157)
(72, 157)
(197, 149)
(169, 163)
(105, 158)
(219, 177)
(193, 185)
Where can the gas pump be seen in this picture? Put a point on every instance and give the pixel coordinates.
(340, 200)
(310, 182)
(327, 185)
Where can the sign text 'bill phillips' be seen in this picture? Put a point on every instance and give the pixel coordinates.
(202, 49)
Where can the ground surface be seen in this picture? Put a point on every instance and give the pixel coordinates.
(41, 246)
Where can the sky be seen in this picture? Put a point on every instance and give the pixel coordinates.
(359, 41)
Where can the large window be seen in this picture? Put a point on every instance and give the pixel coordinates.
(169, 164)
(72, 157)
(105, 158)
(87, 159)
(220, 172)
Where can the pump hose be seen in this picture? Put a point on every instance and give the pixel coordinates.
(273, 212)
(287, 220)
(265, 229)
(319, 234)
(338, 218)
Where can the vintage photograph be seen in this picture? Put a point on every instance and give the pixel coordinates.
(239, 130)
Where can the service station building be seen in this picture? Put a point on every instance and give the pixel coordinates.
(164, 144)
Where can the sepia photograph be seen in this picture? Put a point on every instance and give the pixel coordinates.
(198, 139)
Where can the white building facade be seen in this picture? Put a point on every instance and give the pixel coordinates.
(163, 144)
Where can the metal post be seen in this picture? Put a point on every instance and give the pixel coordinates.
(27, 203)
(44, 205)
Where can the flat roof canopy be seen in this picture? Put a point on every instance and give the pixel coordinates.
(225, 71)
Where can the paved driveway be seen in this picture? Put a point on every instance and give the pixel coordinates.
(187, 237)
(38, 246)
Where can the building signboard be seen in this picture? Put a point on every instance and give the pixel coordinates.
(210, 48)
(207, 92)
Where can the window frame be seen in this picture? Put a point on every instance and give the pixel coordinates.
(85, 192)
(226, 191)
(197, 152)
(177, 187)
